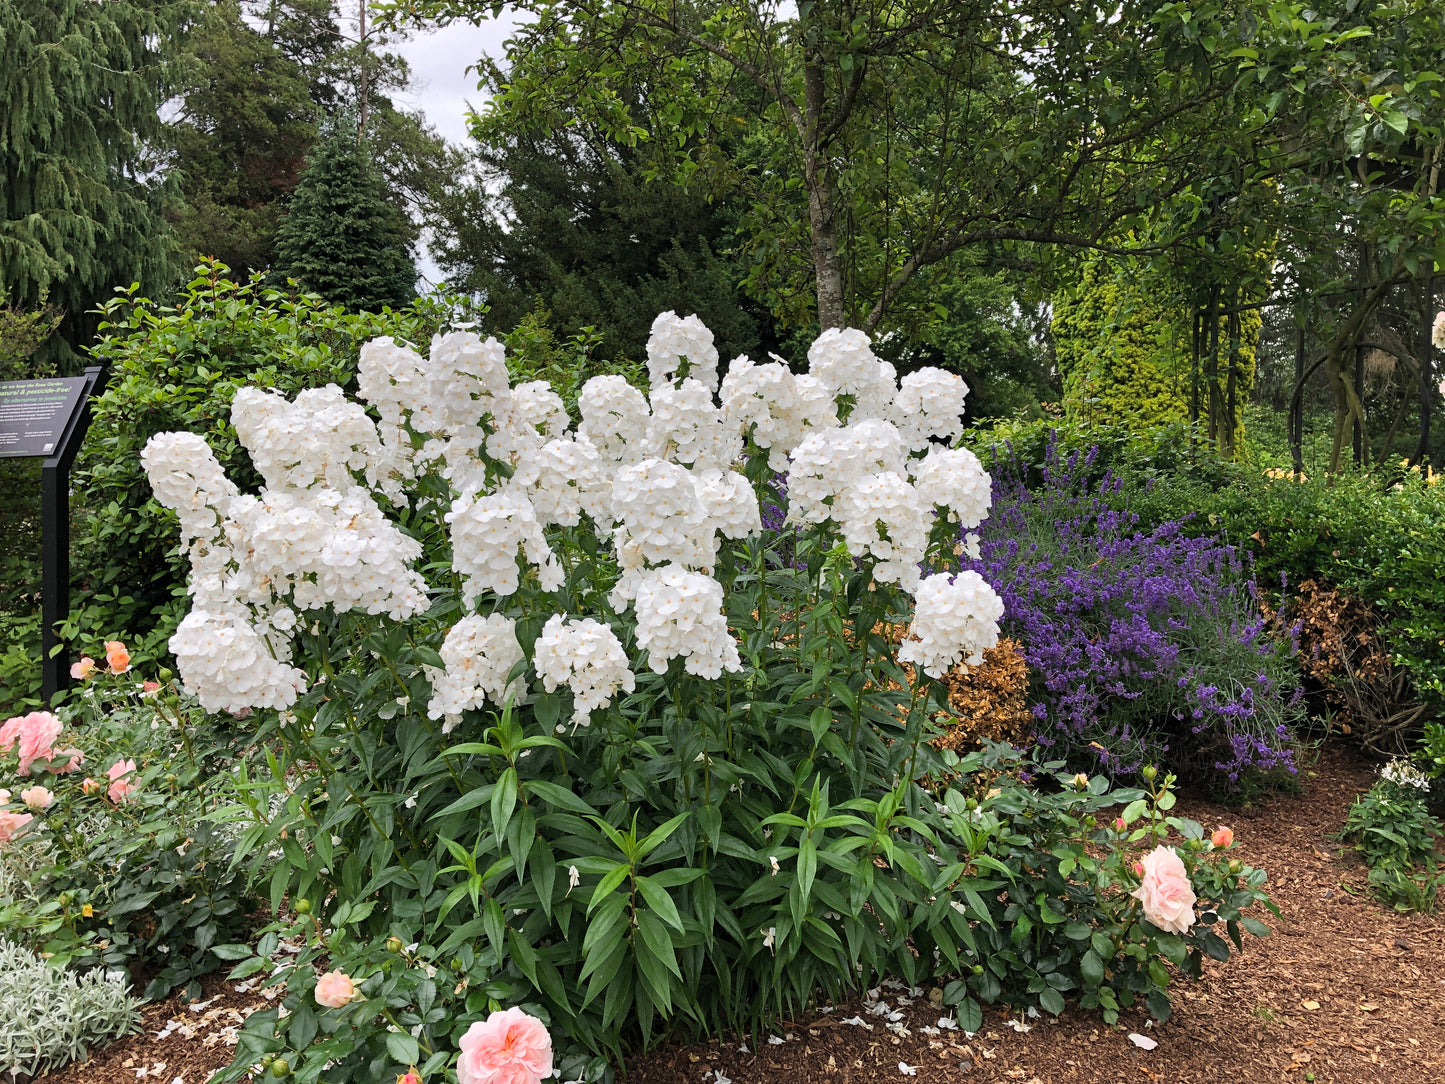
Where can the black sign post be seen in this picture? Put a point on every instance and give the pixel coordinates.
(49, 418)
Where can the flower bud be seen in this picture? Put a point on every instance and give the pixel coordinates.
(978, 969)
(393, 944)
(1119, 824)
(1222, 837)
(1150, 772)
(409, 1077)
(280, 1067)
(303, 907)
(1138, 869)
(1091, 821)
(90, 786)
(1235, 865)
(1196, 844)
(1081, 781)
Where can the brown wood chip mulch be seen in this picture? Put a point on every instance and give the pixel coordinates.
(1344, 991)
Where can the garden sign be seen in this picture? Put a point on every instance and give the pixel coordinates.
(48, 418)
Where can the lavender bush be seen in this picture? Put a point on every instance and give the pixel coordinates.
(1143, 646)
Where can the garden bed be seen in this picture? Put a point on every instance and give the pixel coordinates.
(1344, 990)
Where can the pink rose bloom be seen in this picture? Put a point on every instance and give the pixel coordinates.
(409, 1078)
(1165, 891)
(334, 989)
(37, 797)
(117, 657)
(509, 1047)
(33, 735)
(1222, 837)
(82, 669)
(120, 789)
(75, 759)
(10, 823)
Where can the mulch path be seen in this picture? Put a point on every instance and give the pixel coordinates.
(1344, 991)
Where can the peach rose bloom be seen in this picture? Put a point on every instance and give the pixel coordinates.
(75, 759)
(1165, 892)
(82, 669)
(117, 657)
(4, 795)
(32, 736)
(120, 789)
(37, 797)
(334, 989)
(1222, 837)
(10, 823)
(509, 1047)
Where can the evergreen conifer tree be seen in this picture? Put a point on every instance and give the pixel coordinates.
(341, 237)
(80, 205)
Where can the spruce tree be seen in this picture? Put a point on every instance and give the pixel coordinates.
(80, 204)
(341, 237)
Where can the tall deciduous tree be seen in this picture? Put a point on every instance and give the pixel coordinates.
(80, 204)
(883, 139)
(341, 236)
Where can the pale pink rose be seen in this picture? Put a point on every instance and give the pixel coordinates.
(120, 788)
(117, 657)
(1165, 891)
(4, 795)
(33, 736)
(89, 785)
(74, 759)
(82, 669)
(37, 797)
(1222, 837)
(334, 989)
(509, 1047)
(149, 687)
(10, 823)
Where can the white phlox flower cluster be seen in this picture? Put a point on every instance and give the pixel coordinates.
(842, 360)
(486, 531)
(325, 548)
(539, 406)
(566, 478)
(615, 419)
(479, 653)
(662, 521)
(883, 516)
(318, 440)
(930, 407)
(679, 613)
(1404, 774)
(1437, 333)
(469, 379)
(829, 461)
(729, 501)
(954, 479)
(687, 428)
(587, 657)
(953, 618)
(227, 664)
(677, 339)
(187, 478)
(775, 408)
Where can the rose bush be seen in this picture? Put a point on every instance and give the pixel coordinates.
(551, 725)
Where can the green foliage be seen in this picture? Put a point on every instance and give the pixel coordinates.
(80, 206)
(175, 367)
(341, 236)
(148, 880)
(22, 332)
(1391, 828)
(50, 1016)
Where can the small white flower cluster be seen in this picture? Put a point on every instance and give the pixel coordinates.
(319, 439)
(831, 461)
(679, 613)
(883, 516)
(479, 653)
(615, 419)
(842, 360)
(774, 408)
(487, 530)
(1404, 774)
(953, 618)
(587, 657)
(954, 479)
(930, 407)
(675, 340)
(230, 666)
(687, 428)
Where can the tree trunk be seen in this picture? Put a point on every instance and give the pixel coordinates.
(827, 263)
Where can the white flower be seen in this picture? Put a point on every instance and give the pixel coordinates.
(566, 478)
(537, 405)
(774, 408)
(1404, 774)
(687, 428)
(318, 440)
(479, 653)
(663, 519)
(930, 405)
(953, 478)
(953, 619)
(827, 463)
(773, 861)
(679, 613)
(487, 532)
(675, 341)
(883, 516)
(768, 937)
(587, 657)
(230, 666)
(842, 360)
(730, 503)
(573, 879)
(1437, 336)
(615, 419)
